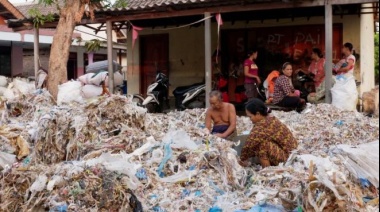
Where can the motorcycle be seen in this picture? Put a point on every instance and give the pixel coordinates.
(190, 97)
(157, 95)
(303, 80)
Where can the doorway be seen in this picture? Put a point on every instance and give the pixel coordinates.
(154, 57)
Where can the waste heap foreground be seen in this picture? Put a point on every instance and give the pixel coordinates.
(110, 155)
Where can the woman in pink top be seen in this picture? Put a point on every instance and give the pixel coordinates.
(317, 68)
(251, 73)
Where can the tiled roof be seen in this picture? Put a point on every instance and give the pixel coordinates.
(145, 4)
(45, 10)
(8, 10)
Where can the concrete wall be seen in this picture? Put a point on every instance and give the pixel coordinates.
(187, 45)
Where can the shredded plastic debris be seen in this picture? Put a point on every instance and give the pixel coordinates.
(107, 154)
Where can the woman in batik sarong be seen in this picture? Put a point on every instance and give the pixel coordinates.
(270, 140)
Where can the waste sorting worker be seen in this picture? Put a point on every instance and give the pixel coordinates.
(251, 73)
(317, 68)
(284, 93)
(221, 117)
(269, 140)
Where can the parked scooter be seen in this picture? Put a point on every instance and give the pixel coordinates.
(157, 95)
(190, 97)
(304, 79)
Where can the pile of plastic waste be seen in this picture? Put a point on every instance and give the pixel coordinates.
(107, 154)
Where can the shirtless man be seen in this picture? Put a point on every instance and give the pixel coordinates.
(223, 116)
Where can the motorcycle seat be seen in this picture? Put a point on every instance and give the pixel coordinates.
(179, 91)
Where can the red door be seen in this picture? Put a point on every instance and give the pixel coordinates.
(154, 56)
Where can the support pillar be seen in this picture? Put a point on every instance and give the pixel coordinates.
(109, 56)
(367, 49)
(208, 71)
(36, 45)
(328, 50)
(80, 61)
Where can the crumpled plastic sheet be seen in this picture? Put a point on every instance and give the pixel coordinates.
(105, 155)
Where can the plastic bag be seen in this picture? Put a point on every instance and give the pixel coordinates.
(69, 92)
(91, 91)
(23, 87)
(117, 79)
(362, 161)
(264, 208)
(39, 184)
(85, 79)
(344, 93)
(9, 94)
(181, 176)
(179, 139)
(99, 78)
(3, 81)
(6, 159)
(167, 155)
(2, 90)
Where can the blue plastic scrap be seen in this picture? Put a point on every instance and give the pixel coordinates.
(339, 123)
(198, 193)
(185, 193)
(264, 208)
(60, 208)
(158, 209)
(215, 209)
(141, 174)
(212, 184)
(168, 153)
(365, 183)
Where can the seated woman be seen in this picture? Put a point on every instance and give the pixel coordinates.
(270, 140)
(317, 67)
(284, 93)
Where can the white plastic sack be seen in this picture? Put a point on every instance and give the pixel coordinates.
(3, 81)
(90, 91)
(179, 139)
(117, 78)
(362, 161)
(9, 94)
(99, 78)
(344, 93)
(23, 87)
(69, 92)
(85, 79)
(6, 159)
(2, 90)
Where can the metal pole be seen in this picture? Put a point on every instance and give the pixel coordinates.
(109, 57)
(208, 71)
(36, 52)
(329, 50)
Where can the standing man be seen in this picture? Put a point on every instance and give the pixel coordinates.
(221, 117)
